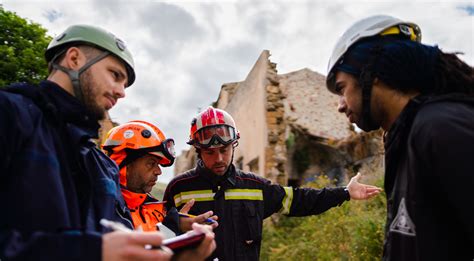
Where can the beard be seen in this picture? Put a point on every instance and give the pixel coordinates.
(90, 94)
(136, 184)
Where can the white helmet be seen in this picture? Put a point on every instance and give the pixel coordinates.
(370, 26)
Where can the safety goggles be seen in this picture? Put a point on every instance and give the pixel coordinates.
(165, 151)
(215, 135)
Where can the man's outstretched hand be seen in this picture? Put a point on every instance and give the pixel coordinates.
(361, 191)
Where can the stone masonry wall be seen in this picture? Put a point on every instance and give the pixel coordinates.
(275, 152)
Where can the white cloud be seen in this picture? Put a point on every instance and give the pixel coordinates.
(184, 51)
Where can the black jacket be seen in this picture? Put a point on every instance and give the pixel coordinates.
(242, 201)
(429, 180)
(55, 185)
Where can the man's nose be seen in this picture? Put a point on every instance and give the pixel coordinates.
(341, 106)
(219, 157)
(157, 171)
(119, 91)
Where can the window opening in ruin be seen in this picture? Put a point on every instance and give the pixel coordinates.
(253, 165)
(239, 163)
(294, 183)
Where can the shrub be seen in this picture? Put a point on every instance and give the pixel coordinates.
(353, 231)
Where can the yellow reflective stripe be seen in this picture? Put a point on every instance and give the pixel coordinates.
(287, 200)
(198, 195)
(243, 194)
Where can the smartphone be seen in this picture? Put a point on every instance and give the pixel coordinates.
(188, 240)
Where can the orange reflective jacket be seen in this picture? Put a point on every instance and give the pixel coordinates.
(145, 210)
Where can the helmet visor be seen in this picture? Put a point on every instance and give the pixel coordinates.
(165, 151)
(168, 146)
(223, 134)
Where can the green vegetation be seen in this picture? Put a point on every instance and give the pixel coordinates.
(158, 190)
(291, 140)
(353, 231)
(22, 46)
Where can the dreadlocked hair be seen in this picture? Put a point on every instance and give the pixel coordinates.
(408, 66)
(452, 75)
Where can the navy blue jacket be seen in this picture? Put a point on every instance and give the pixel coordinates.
(55, 185)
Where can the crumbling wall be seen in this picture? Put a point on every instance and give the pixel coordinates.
(319, 139)
(226, 94)
(290, 128)
(364, 152)
(245, 102)
(309, 157)
(275, 151)
(185, 161)
(310, 107)
(105, 125)
(247, 107)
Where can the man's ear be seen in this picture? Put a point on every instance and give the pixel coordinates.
(380, 84)
(74, 58)
(376, 83)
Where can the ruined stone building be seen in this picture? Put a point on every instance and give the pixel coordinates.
(105, 126)
(290, 129)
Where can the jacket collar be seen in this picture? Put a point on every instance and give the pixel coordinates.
(135, 200)
(407, 115)
(70, 109)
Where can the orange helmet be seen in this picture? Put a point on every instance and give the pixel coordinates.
(213, 128)
(127, 142)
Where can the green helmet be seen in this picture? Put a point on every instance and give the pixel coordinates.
(97, 37)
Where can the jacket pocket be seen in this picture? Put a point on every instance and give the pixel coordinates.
(248, 230)
(253, 223)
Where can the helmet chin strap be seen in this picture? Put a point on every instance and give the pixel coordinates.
(366, 123)
(74, 75)
(234, 145)
(232, 158)
(366, 81)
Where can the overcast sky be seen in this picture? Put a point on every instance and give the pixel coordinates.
(184, 51)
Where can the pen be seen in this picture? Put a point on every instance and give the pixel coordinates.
(207, 220)
(114, 225)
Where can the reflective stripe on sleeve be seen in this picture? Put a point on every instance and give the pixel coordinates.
(243, 194)
(287, 200)
(198, 195)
